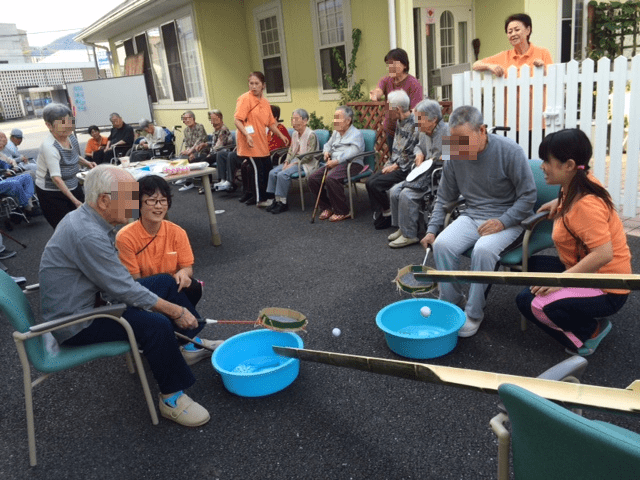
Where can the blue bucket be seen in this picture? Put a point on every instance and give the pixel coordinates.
(410, 334)
(250, 368)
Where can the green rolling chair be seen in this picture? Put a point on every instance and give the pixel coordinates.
(550, 442)
(36, 345)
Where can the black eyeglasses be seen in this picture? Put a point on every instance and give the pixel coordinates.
(152, 202)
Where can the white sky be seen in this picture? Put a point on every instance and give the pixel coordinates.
(35, 16)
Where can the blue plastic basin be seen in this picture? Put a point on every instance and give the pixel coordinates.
(410, 334)
(250, 368)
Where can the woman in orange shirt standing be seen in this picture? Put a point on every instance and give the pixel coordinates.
(518, 30)
(589, 237)
(252, 118)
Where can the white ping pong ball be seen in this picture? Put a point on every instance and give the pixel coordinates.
(336, 332)
(425, 311)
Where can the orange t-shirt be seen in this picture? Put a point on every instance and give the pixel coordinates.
(510, 57)
(168, 252)
(592, 222)
(255, 113)
(93, 145)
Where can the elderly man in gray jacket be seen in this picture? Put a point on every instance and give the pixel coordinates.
(492, 173)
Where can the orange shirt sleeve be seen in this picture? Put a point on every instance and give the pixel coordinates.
(498, 59)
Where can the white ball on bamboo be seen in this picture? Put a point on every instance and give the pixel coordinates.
(425, 311)
(336, 332)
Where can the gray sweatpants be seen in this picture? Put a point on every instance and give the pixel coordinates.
(456, 239)
(405, 209)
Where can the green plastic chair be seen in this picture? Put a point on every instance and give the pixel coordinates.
(323, 137)
(551, 442)
(369, 157)
(48, 357)
(538, 227)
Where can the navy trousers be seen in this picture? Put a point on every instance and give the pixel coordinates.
(154, 334)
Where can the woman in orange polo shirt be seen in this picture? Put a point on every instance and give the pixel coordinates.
(589, 237)
(518, 30)
(153, 245)
(252, 118)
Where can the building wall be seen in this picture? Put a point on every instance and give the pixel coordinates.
(225, 59)
(370, 16)
(14, 46)
(11, 79)
(545, 24)
(229, 51)
(490, 26)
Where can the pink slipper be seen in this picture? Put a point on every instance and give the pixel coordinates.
(338, 218)
(325, 214)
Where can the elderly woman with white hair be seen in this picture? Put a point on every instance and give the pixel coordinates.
(56, 182)
(400, 161)
(345, 143)
(303, 140)
(406, 196)
(154, 137)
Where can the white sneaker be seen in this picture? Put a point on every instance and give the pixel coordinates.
(264, 203)
(470, 328)
(395, 235)
(186, 187)
(223, 185)
(403, 241)
(180, 182)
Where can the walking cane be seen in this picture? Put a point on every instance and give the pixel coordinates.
(11, 238)
(315, 209)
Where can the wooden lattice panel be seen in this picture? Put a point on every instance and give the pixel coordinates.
(372, 115)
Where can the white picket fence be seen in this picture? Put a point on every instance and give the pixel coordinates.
(571, 90)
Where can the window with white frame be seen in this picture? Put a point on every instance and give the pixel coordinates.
(447, 42)
(271, 47)
(332, 35)
(171, 62)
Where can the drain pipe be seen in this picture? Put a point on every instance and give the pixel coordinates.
(392, 24)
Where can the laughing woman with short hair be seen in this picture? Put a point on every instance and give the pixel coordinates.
(56, 182)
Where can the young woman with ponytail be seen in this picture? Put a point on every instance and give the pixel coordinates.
(589, 237)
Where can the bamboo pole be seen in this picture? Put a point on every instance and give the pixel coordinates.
(570, 394)
(585, 280)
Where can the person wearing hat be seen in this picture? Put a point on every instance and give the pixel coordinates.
(11, 150)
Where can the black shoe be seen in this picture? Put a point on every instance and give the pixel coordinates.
(272, 206)
(383, 223)
(251, 201)
(7, 254)
(281, 207)
(245, 197)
